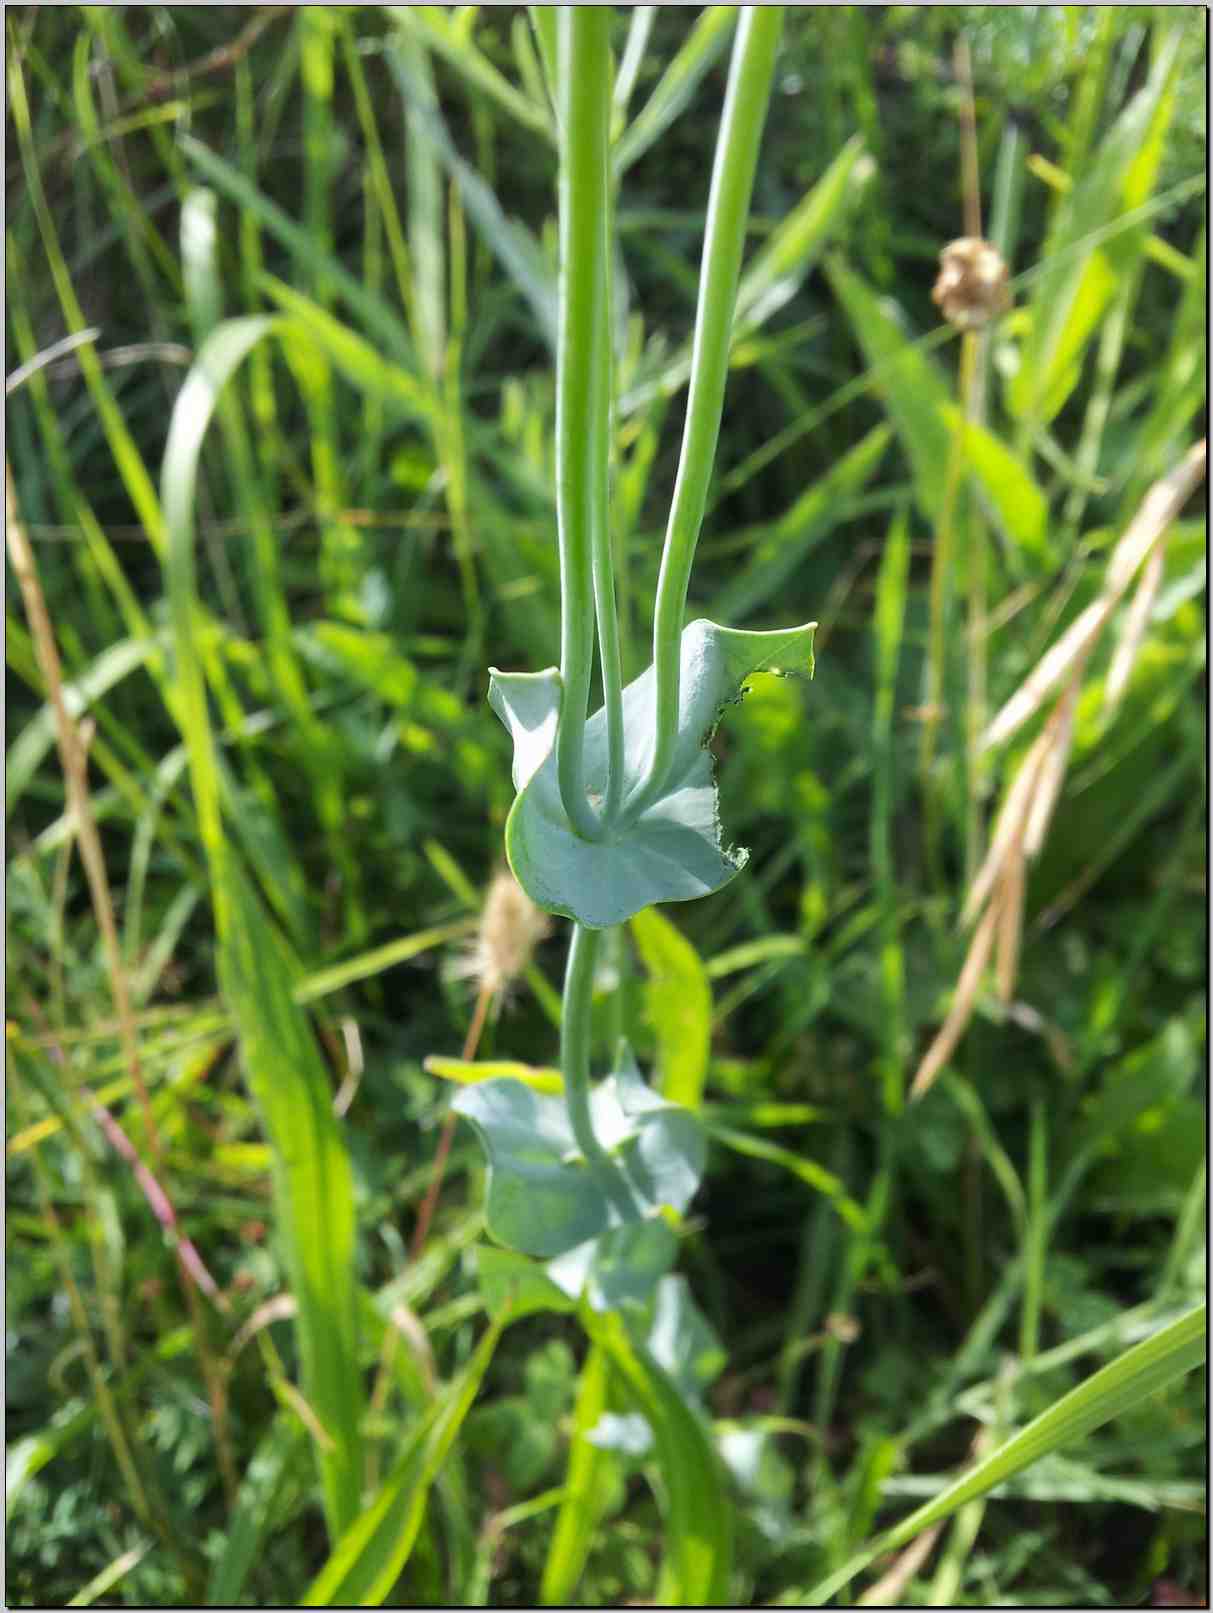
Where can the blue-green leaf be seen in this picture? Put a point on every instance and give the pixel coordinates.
(683, 1341)
(619, 1270)
(543, 1199)
(512, 1282)
(673, 851)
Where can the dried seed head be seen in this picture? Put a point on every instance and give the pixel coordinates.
(510, 927)
(972, 286)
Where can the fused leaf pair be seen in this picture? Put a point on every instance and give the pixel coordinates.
(673, 850)
(545, 1199)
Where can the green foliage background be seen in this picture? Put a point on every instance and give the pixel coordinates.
(376, 527)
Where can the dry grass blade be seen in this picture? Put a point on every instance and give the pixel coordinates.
(1059, 732)
(1009, 829)
(1158, 509)
(1070, 651)
(887, 1591)
(279, 1308)
(961, 1011)
(1010, 922)
(1134, 630)
(75, 774)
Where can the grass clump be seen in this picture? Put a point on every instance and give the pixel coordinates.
(936, 1052)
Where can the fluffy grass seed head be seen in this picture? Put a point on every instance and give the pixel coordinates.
(511, 926)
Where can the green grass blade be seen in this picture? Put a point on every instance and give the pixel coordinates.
(806, 1170)
(677, 85)
(889, 624)
(1079, 278)
(921, 407)
(778, 271)
(32, 744)
(425, 203)
(517, 250)
(122, 444)
(678, 998)
(698, 1516)
(1116, 1388)
(101, 1584)
(432, 24)
(377, 316)
(359, 361)
(369, 1557)
(253, 1515)
(819, 510)
(586, 1489)
(788, 255)
(313, 1180)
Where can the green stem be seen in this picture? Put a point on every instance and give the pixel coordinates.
(584, 61)
(750, 73)
(1036, 1234)
(575, 1065)
(940, 608)
(605, 603)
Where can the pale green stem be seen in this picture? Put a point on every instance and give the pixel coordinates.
(750, 73)
(581, 423)
(575, 1021)
(605, 605)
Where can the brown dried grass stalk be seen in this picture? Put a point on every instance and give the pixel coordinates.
(995, 901)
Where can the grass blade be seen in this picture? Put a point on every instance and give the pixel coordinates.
(1072, 294)
(679, 1002)
(927, 421)
(699, 1521)
(587, 1489)
(252, 1518)
(677, 85)
(312, 1175)
(1116, 1388)
(368, 1559)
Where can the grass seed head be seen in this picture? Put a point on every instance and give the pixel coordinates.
(972, 286)
(511, 926)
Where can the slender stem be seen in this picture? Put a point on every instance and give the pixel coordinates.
(750, 73)
(584, 78)
(1036, 1234)
(575, 1065)
(606, 609)
(940, 603)
(977, 627)
(429, 1204)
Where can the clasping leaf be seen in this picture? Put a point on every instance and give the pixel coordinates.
(672, 851)
(543, 1198)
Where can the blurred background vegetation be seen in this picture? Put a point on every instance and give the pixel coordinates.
(887, 1279)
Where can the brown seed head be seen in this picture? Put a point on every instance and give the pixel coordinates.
(972, 286)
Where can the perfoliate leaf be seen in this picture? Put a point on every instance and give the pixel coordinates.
(673, 851)
(542, 1198)
(545, 1199)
